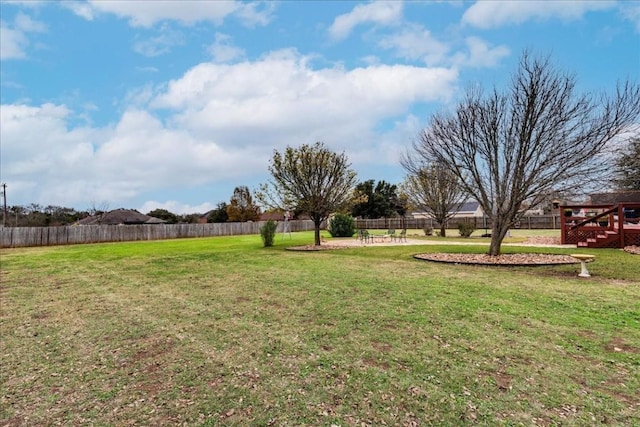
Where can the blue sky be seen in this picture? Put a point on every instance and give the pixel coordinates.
(145, 104)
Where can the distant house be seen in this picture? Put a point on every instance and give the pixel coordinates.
(275, 216)
(533, 212)
(204, 218)
(120, 217)
(469, 209)
(615, 197)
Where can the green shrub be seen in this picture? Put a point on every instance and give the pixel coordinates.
(428, 231)
(342, 225)
(268, 232)
(466, 230)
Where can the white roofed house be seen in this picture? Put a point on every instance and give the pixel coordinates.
(470, 209)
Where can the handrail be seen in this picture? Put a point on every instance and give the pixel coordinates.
(616, 221)
(594, 218)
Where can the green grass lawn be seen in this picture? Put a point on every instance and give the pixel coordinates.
(220, 331)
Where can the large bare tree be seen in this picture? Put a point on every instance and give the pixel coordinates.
(433, 189)
(537, 136)
(310, 179)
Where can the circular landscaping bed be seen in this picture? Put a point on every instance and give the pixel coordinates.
(511, 260)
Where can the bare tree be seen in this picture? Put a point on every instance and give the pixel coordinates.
(536, 137)
(98, 209)
(433, 189)
(310, 179)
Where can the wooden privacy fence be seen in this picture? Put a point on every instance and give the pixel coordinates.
(14, 237)
(527, 222)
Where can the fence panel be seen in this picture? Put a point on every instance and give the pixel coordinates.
(14, 237)
(527, 222)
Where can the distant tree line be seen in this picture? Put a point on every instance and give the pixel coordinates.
(35, 215)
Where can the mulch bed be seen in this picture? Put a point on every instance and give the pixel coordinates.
(523, 260)
(635, 250)
(511, 260)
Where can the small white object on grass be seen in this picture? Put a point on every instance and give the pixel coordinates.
(584, 259)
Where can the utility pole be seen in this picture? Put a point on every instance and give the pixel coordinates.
(4, 210)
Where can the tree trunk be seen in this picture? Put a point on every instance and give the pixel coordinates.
(443, 230)
(317, 223)
(498, 231)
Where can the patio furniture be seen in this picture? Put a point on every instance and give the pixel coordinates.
(391, 233)
(364, 236)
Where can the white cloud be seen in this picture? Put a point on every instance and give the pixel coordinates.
(222, 50)
(80, 8)
(379, 13)
(492, 14)
(160, 44)
(33, 4)
(188, 12)
(480, 54)
(147, 69)
(140, 96)
(415, 42)
(23, 129)
(13, 43)
(13, 38)
(25, 24)
(251, 15)
(115, 164)
(176, 207)
(280, 100)
(631, 12)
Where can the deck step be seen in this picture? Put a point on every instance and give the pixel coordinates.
(599, 241)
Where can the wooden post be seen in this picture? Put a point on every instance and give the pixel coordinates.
(563, 226)
(621, 225)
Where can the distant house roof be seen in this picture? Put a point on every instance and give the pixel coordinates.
(468, 207)
(615, 197)
(275, 216)
(120, 216)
